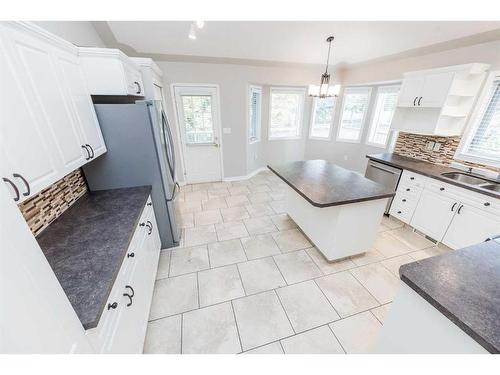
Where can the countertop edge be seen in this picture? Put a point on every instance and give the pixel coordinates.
(324, 205)
(95, 323)
(449, 315)
(436, 177)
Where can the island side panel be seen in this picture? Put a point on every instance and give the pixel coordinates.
(414, 326)
(336, 230)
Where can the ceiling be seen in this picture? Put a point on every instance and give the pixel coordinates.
(293, 42)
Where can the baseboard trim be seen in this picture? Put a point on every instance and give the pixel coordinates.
(250, 175)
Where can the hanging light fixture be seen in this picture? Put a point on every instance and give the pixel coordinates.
(325, 90)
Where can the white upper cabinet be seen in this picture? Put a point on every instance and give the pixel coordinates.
(110, 72)
(152, 77)
(438, 101)
(48, 125)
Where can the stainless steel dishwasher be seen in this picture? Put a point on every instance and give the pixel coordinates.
(384, 175)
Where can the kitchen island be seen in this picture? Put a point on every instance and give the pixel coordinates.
(339, 210)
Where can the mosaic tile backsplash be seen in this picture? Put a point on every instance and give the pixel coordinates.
(43, 208)
(413, 145)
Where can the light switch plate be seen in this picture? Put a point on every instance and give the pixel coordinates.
(226, 130)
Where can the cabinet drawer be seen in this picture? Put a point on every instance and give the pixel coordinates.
(413, 179)
(402, 213)
(406, 201)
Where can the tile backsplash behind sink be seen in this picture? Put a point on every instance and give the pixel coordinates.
(414, 146)
(42, 209)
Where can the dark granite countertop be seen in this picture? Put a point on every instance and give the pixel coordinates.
(464, 285)
(427, 169)
(324, 184)
(86, 245)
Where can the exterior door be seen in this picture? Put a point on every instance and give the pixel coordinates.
(198, 119)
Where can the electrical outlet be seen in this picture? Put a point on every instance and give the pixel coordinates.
(437, 146)
(430, 146)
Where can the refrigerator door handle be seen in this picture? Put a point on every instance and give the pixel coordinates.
(167, 138)
(177, 188)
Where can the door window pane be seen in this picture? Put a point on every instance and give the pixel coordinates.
(385, 106)
(286, 113)
(322, 118)
(197, 111)
(354, 107)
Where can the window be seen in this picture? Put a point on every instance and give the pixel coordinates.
(385, 105)
(322, 118)
(482, 143)
(254, 113)
(354, 107)
(285, 120)
(197, 111)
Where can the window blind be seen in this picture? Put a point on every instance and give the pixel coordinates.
(485, 140)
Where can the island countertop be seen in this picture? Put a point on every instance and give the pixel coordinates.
(464, 285)
(324, 184)
(86, 246)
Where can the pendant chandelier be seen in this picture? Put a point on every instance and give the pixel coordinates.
(325, 89)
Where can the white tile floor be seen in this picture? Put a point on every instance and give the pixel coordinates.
(245, 279)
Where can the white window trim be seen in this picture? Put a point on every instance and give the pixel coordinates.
(251, 89)
(373, 107)
(311, 121)
(294, 90)
(363, 122)
(473, 123)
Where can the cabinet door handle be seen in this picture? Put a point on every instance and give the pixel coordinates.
(16, 190)
(142, 224)
(149, 204)
(453, 207)
(113, 305)
(130, 255)
(88, 152)
(414, 100)
(419, 101)
(459, 209)
(130, 298)
(150, 226)
(91, 149)
(138, 87)
(28, 190)
(132, 289)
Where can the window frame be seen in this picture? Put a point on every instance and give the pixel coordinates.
(473, 124)
(291, 90)
(373, 111)
(258, 131)
(347, 90)
(332, 123)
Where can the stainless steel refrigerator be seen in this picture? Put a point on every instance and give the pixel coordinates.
(140, 151)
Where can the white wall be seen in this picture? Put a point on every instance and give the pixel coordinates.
(80, 33)
(351, 155)
(233, 81)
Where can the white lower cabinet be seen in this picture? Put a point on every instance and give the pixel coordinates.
(122, 329)
(447, 213)
(470, 226)
(433, 214)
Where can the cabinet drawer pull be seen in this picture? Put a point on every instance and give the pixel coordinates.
(16, 190)
(113, 305)
(412, 178)
(138, 87)
(88, 152)
(419, 101)
(399, 212)
(132, 289)
(453, 207)
(459, 209)
(142, 224)
(441, 188)
(404, 200)
(28, 190)
(149, 204)
(130, 255)
(407, 189)
(130, 298)
(486, 204)
(91, 149)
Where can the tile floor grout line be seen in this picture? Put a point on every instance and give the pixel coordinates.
(281, 273)
(324, 295)
(284, 310)
(237, 327)
(336, 338)
(370, 293)
(182, 323)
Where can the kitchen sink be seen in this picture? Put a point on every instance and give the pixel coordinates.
(466, 179)
(493, 187)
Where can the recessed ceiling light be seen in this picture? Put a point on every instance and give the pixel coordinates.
(200, 24)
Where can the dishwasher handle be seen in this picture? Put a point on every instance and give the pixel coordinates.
(382, 169)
